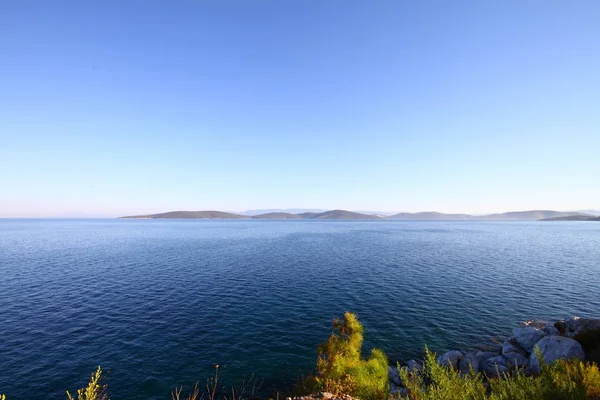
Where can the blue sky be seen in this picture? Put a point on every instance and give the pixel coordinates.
(118, 107)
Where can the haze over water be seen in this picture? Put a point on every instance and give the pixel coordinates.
(159, 303)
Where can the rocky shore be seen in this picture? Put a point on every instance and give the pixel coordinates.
(555, 340)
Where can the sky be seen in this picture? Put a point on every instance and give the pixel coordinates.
(116, 107)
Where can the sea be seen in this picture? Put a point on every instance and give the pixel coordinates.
(159, 303)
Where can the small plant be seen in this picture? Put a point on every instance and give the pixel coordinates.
(93, 391)
(561, 380)
(438, 382)
(340, 368)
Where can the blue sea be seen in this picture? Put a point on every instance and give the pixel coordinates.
(158, 303)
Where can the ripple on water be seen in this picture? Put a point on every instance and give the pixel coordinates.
(159, 303)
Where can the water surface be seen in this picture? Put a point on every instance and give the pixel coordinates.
(159, 303)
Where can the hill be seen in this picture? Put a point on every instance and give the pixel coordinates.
(430, 216)
(342, 214)
(533, 215)
(277, 215)
(573, 218)
(283, 210)
(189, 215)
(308, 214)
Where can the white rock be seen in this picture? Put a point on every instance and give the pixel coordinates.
(554, 348)
(527, 337)
(450, 358)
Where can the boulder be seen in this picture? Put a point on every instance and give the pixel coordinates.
(554, 348)
(450, 358)
(527, 337)
(484, 355)
(514, 354)
(394, 376)
(575, 325)
(414, 366)
(398, 391)
(467, 361)
(550, 329)
(561, 327)
(517, 360)
(494, 367)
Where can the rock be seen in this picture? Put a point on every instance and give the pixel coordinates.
(561, 326)
(414, 366)
(527, 337)
(550, 329)
(467, 361)
(394, 391)
(517, 360)
(575, 325)
(494, 367)
(394, 376)
(514, 354)
(326, 395)
(484, 355)
(450, 358)
(547, 327)
(554, 348)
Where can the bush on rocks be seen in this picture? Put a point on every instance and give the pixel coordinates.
(340, 368)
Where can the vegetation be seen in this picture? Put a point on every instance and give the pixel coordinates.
(93, 391)
(342, 370)
(562, 380)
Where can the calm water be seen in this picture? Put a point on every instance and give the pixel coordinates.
(158, 303)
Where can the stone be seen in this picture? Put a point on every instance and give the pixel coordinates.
(550, 329)
(467, 361)
(561, 327)
(527, 337)
(414, 366)
(484, 355)
(554, 348)
(514, 354)
(517, 360)
(575, 325)
(394, 376)
(494, 367)
(394, 391)
(450, 358)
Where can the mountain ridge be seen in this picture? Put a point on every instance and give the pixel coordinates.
(530, 215)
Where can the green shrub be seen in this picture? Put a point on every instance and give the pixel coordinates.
(437, 382)
(93, 391)
(561, 380)
(340, 368)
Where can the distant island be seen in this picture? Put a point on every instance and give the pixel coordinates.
(573, 218)
(532, 215)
